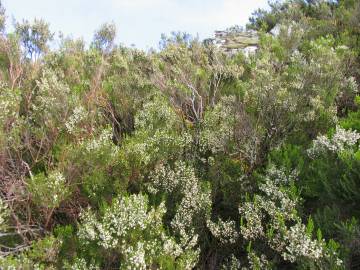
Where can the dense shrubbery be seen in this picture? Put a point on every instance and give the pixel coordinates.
(113, 158)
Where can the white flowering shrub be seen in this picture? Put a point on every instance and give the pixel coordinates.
(4, 216)
(48, 190)
(146, 148)
(170, 150)
(99, 164)
(51, 100)
(342, 139)
(158, 134)
(257, 262)
(80, 264)
(101, 143)
(78, 116)
(9, 104)
(134, 231)
(224, 231)
(273, 218)
(299, 244)
(218, 126)
(333, 168)
(194, 203)
(11, 123)
(228, 129)
(299, 95)
(156, 113)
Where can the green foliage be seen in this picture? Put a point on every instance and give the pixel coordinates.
(48, 191)
(34, 37)
(158, 135)
(190, 157)
(134, 233)
(104, 37)
(42, 254)
(2, 18)
(4, 216)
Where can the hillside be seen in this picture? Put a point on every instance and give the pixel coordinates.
(189, 157)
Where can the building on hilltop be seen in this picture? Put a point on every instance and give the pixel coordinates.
(234, 41)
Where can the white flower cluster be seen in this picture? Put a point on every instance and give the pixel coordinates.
(58, 184)
(157, 143)
(171, 247)
(231, 263)
(224, 231)
(156, 134)
(277, 199)
(253, 216)
(154, 114)
(123, 216)
(78, 115)
(9, 104)
(271, 217)
(49, 82)
(50, 98)
(4, 215)
(341, 140)
(194, 203)
(81, 264)
(102, 143)
(218, 126)
(352, 85)
(318, 106)
(299, 244)
(280, 177)
(135, 257)
(164, 179)
(257, 262)
(135, 231)
(49, 191)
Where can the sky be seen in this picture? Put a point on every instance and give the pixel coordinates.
(139, 22)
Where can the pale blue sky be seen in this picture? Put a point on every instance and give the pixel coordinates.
(139, 22)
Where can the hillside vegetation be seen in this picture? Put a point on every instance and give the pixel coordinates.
(187, 157)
